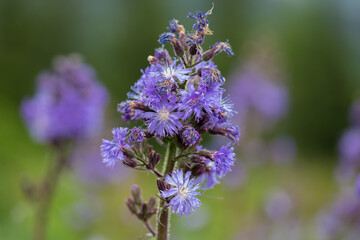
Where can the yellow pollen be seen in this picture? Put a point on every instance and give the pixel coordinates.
(168, 73)
(164, 115)
(183, 192)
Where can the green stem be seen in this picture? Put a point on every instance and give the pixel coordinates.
(46, 194)
(163, 225)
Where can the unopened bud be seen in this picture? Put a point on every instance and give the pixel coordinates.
(198, 159)
(129, 162)
(198, 169)
(193, 50)
(136, 193)
(152, 59)
(151, 203)
(131, 205)
(178, 48)
(162, 186)
(143, 212)
(209, 54)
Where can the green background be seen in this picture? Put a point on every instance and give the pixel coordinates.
(318, 41)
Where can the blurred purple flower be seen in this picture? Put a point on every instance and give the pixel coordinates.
(278, 205)
(252, 91)
(341, 219)
(68, 103)
(283, 149)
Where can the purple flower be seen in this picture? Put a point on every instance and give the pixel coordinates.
(184, 192)
(68, 104)
(166, 38)
(164, 121)
(210, 176)
(233, 132)
(222, 47)
(256, 93)
(278, 205)
(173, 72)
(175, 27)
(211, 77)
(136, 134)
(283, 149)
(112, 151)
(194, 101)
(224, 159)
(189, 136)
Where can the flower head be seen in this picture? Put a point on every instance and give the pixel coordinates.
(184, 192)
(224, 159)
(194, 101)
(173, 72)
(189, 136)
(164, 121)
(136, 134)
(222, 47)
(68, 104)
(112, 151)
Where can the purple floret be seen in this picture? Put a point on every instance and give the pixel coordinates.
(184, 192)
(112, 151)
(164, 121)
(224, 159)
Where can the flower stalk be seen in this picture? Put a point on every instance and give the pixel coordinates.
(163, 225)
(46, 193)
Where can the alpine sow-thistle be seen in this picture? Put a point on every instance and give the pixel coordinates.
(178, 99)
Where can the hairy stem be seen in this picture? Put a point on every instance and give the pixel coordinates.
(46, 194)
(163, 225)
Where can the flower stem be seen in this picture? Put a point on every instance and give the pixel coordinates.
(163, 225)
(148, 226)
(46, 194)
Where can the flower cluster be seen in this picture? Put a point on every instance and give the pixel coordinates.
(178, 99)
(68, 103)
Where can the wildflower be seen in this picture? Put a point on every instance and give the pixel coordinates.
(209, 175)
(194, 101)
(136, 134)
(173, 72)
(184, 192)
(211, 77)
(189, 136)
(217, 48)
(224, 159)
(112, 151)
(68, 104)
(165, 121)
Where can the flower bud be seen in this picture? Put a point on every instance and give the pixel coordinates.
(209, 54)
(151, 203)
(189, 136)
(178, 48)
(131, 205)
(198, 159)
(143, 212)
(136, 194)
(129, 162)
(193, 49)
(231, 132)
(152, 59)
(198, 169)
(162, 186)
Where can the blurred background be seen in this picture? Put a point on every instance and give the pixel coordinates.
(303, 56)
